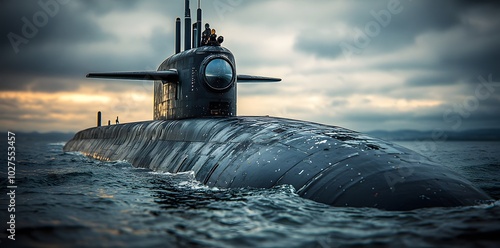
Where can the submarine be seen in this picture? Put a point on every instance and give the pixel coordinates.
(196, 128)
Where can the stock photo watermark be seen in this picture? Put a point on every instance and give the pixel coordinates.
(11, 185)
(454, 117)
(460, 111)
(222, 7)
(31, 26)
(363, 37)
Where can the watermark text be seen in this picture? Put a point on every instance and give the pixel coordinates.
(30, 28)
(11, 185)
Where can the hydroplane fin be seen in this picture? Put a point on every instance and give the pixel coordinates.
(170, 75)
(256, 79)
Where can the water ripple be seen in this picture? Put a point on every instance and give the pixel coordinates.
(67, 200)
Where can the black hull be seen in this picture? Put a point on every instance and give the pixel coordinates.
(324, 163)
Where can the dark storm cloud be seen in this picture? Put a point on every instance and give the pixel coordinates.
(459, 41)
(378, 116)
(117, 86)
(415, 18)
(430, 80)
(61, 46)
(100, 7)
(68, 26)
(11, 112)
(482, 61)
(410, 19)
(462, 35)
(53, 48)
(453, 69)
(39, 85)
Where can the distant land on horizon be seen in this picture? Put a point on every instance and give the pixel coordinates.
(491, 134)
(36, 136)
(399, 135)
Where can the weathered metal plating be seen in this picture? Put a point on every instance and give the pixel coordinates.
(327, 164)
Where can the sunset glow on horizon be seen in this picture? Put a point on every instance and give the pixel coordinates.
(377, 65)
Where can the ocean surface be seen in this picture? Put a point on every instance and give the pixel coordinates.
(67, 200)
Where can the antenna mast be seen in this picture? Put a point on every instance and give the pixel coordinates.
(178, 35)
(198, 25)
(187, 28)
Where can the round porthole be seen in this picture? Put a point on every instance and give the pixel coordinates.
(219, 74)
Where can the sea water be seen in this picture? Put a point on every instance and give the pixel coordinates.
(67, 200)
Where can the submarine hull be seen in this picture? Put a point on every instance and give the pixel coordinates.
(324, 163)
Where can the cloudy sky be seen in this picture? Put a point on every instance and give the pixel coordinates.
(363, 65)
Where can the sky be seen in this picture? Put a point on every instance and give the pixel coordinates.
(363, 65)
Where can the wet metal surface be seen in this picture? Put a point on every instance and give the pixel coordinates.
(324, 163)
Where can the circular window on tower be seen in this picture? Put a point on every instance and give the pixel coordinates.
(219, 74)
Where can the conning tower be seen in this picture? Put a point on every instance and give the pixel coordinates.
(207, 75)
(206, 85)
(197, 82)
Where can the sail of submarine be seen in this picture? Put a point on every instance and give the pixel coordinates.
(196, 128)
